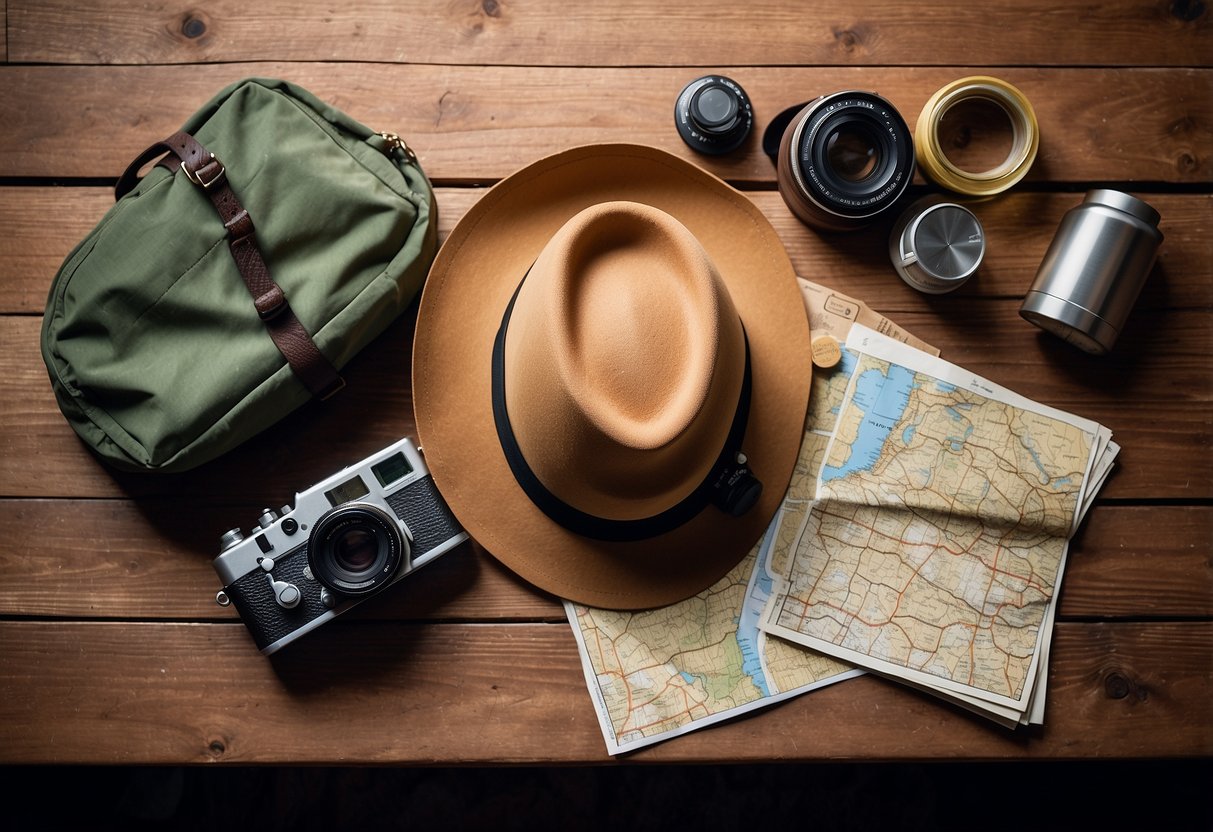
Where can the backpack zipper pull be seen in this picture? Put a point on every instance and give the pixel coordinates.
(394, 143)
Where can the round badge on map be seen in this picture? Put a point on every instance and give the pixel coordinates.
(826, 352)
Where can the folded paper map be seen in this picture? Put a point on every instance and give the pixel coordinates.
(939, 533)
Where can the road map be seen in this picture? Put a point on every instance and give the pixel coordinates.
(656, 674)
(940, 528)
(660, 673)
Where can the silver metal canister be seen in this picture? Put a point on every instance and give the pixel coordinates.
(936, 245)
(1094, 270)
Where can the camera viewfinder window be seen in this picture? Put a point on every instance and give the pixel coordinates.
(393, 468)
(351, 489)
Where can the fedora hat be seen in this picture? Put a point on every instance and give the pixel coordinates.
(610, 375)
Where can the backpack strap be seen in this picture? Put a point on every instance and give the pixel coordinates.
(202, 168)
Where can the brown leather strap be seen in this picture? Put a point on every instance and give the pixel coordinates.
(202, 168)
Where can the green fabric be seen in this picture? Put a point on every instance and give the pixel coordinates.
(154, 349)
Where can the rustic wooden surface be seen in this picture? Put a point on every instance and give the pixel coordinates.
(111, 648)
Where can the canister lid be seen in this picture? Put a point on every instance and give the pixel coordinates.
(1123, 202)
(937, 248)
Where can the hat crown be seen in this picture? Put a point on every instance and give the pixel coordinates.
(624, 361)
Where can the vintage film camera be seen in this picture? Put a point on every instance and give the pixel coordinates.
(347, 538)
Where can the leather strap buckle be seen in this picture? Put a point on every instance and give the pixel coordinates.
(206, 176)
(271, 304)
(239, 226)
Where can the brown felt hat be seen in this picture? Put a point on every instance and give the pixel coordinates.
(609, 344)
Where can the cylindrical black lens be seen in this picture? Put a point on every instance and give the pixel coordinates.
(355, 549)
(713, 114)
(853, 153)
(844, 159)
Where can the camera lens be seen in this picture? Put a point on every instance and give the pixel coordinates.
(355, 548)
(713, 114)
(843, 160)
(852, 153)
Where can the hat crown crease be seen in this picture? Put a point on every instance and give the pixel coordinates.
(636, 316)
(644, 362)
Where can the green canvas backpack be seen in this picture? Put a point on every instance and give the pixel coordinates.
(228, 286)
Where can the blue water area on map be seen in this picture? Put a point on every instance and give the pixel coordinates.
(689, 678)
(944, 387)
(747, 626)
(882, 398)
(844, 369)
(1045, 477)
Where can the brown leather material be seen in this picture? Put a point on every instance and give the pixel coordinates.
(206, 171)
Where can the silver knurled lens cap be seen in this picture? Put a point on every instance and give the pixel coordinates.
(936, 246)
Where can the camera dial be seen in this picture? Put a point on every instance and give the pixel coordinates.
(356, 548)
(713, 115)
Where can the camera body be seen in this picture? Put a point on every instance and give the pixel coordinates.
(348, 537)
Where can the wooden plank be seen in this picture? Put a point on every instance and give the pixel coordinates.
(1122, 553)
(1019, 227)
(151, 560)
(477, 124)
(385, 693)
(1153, 392)
(548, 32)
(4, 28)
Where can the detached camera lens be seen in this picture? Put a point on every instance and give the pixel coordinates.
(713, 115)
(853, 153)
(843, 159)
(355, 549)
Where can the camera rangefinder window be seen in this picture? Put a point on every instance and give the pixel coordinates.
(392, 469)
(351, 489)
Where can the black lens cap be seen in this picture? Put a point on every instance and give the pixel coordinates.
(713, 115)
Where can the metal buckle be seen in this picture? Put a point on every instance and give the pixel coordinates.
(394, 142)
(196, 176)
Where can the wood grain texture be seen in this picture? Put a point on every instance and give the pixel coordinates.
(365, 693)
(111, 647)
(1153, 392)
(635, 32)
(1019, 227)
(474, 124)
(150, 559)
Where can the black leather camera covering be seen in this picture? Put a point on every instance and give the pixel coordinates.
(418, 504)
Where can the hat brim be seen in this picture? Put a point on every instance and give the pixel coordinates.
(465, 296)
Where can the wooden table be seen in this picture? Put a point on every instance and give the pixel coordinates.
(112, 648)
